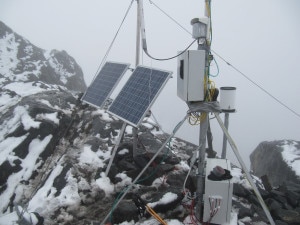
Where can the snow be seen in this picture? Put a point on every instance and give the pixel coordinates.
(104, 183)
(36, 147)
(44, 199)
(26, 119)
(48, 116)
(24, 89)
(9, 51)
(6, 100)
(59, 69)
(291, 155)
(7, 146)
(125, 181)
(89, 157)
(9, 219)
(28, 165)
(128, 129)
(167, 198)
(104, 115)
(123, 151)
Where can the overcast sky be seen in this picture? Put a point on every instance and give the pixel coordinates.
(259, 37)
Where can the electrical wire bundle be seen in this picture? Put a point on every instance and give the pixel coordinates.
(215, 205)
(189, 203)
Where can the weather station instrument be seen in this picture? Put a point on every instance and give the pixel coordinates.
(214, 184)
(213, 195)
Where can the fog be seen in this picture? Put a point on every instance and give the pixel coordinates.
(258, 38)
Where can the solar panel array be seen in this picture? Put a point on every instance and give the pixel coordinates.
(138, 94)
(104, 84)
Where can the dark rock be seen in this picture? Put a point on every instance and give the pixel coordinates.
(126, 211)
(267, 159)
(281, 197)
(6, 169)
(176, 179)
(293, 198)
(279, 222)
(273, 205)
(240, 190)
(126, 165)
(261, 216)
(60, 181)
(292, 186)
(264, 194)
(266, 183)
(242, 210)
(288, 216)
(253, 199)
(113, 172)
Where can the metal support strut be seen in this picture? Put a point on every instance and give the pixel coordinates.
(248, 176)
(145, 168)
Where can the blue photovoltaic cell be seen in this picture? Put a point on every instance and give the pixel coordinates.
(138, 94)
(104, 84)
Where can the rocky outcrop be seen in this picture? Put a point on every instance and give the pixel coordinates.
(283, 203)
(21, 61)
(269, 159)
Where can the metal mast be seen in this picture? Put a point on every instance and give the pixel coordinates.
(203, 127)
(137, 61)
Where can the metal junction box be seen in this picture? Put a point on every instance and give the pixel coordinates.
(190, 75)
(217, 194)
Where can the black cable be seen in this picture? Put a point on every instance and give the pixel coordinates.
(164, 59)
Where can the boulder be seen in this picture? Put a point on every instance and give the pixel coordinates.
(267, 159)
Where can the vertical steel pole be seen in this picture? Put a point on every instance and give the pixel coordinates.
(203, 130)
(224, 149)
(137, 61)
(201, 163)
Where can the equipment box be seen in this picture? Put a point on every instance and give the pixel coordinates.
(190, 75)
(217, 194)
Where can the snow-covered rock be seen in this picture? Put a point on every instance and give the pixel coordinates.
(279, 160)
(21, 62)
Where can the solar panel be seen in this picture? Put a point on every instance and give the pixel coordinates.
(104, 84)
(138, 94)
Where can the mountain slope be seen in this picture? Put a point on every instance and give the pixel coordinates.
(23, 62)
